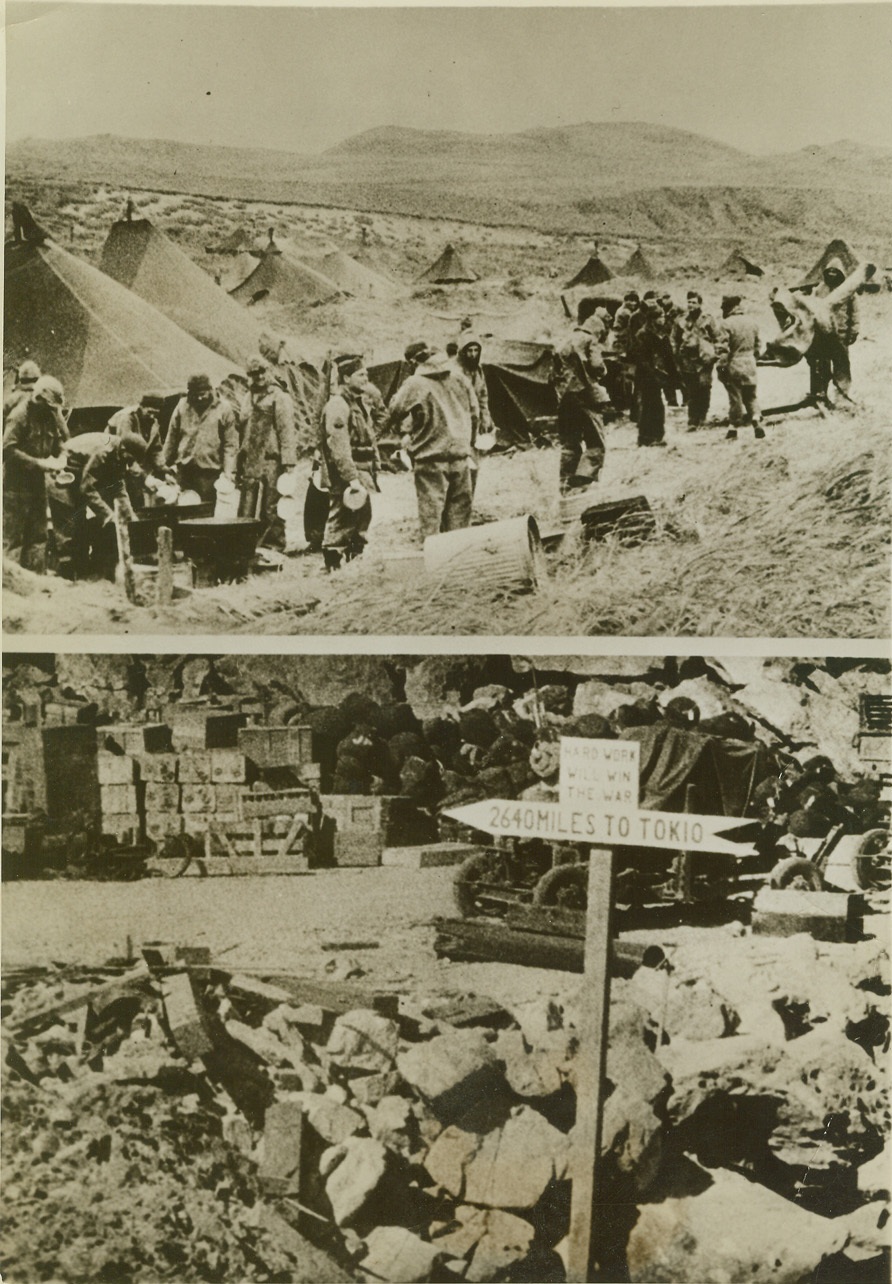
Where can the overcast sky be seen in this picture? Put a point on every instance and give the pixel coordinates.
(765, 79)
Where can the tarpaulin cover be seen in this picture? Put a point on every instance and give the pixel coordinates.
(723, 773)
(518, 380)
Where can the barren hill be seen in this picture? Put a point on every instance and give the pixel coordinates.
(626, 177)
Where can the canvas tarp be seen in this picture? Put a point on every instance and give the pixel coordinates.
(723, 773)
(591, 273)
(838, 253)
(105, 343)
(142, 258)
(449, 269)
(518, 380)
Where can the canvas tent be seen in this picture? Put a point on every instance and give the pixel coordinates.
(239, 239)
(142, 258)
(737, 266)
(284, 278)
(518, 380)
(836, 252)
(638, 266)
(591, 273)
(449, 269)
(356, 278)
(105, 343)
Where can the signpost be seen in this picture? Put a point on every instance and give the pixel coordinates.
(597, 806)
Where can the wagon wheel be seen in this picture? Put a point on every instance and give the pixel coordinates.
(871, 861)
(182, 849)
(474, 875)
(565, 885)
(797, 873)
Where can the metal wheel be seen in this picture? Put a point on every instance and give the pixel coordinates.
(796, 872)
(181, 850)
(565, 885)
(474, 875)
(871, 861)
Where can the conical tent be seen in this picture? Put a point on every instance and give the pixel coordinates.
(284, 279)
(838, 253)
(591, 273)
(233, 269)
(737, 266)
(105, 343)
(138, 255)
(355, 278)
(638, 266)
(449, 269)
(238, 239)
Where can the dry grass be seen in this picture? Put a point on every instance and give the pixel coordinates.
(749, 551)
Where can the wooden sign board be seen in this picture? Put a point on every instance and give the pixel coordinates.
(670, 830)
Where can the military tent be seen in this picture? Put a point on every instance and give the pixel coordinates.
(239, 239)
(138, 255)
(518, 380)
(356, 278)
(838, 253)
(230, 271)
(449, 269)
(591, 273)
(737, 266)
(284, 278)
(638, 266)
(105, 343)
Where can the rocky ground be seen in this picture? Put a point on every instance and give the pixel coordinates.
(197, 1125)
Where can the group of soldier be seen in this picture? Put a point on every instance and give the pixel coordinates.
(643, 356)
(633, 359)
(83, 479)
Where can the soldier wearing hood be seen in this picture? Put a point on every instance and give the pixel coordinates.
(468, 362)
(25, 378)
(438, 410)
(829, 359)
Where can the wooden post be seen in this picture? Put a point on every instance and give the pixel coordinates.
(164, 586)
(582, 1250)
(124, 557)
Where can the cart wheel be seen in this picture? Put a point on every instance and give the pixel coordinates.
(871, 861)
(797, 872)
(473, 875)
(565, 885)
(181, 850)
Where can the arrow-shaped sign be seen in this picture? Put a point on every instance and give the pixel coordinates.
(558, 823)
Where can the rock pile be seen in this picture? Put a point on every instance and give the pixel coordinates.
(183, 1119)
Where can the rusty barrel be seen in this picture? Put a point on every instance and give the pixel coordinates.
(498, 555)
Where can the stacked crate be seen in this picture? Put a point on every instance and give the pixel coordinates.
(365, 826)
(271, 748)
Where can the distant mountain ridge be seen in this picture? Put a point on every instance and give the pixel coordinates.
(555, 177)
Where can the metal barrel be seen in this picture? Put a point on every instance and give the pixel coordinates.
(498, 555)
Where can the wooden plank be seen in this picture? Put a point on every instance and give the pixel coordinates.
(125, 560)
(297, 829)
(585, 1158)
(547, 920)
(164, 582)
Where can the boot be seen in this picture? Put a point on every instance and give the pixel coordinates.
(758, 431)
(332, 559)
(731, 434)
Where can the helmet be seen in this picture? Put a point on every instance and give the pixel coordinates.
(49, 391)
